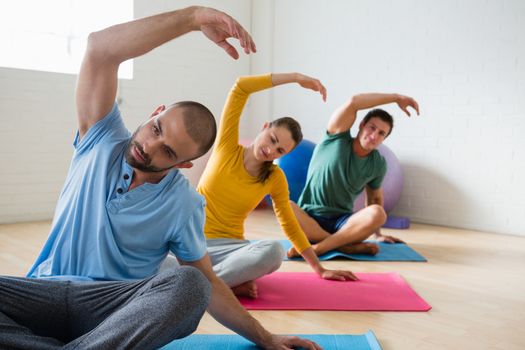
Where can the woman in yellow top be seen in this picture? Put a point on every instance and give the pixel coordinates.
(237, 178)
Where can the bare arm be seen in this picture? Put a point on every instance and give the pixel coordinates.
(227, 310)
(108, 48)
(376, 197)
(341, 275)
(344, 117)
(301, 79)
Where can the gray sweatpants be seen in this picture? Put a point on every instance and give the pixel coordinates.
(237, 261)
(143, 314)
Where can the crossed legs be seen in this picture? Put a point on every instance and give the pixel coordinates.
(240, 262)
(349, 238)
(144, 314)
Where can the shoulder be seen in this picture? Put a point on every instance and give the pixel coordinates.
(341, 136)
(110, 128)
(185, 192)
(277, 179)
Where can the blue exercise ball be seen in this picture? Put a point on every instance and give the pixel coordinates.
(295, 167)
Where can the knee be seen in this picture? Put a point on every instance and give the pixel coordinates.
(188, 300)
(195, 281)
(276, 253)
(377, 214)
(189, 286)
(273, 254)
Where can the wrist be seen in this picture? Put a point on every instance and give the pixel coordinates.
(265, 340)
(194, 15)
(396, 97)
(319, 269)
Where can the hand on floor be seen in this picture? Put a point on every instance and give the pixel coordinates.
(388, 239)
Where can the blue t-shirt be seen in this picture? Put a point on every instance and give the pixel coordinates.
(102, 231)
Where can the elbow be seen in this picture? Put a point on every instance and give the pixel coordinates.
(98, 48)
(354, 102)
(94, 43)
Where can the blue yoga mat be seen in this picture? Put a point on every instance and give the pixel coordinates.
(367, 341)
(387, 252)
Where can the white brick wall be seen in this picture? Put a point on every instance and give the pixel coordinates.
(38, 120)
(464, 61)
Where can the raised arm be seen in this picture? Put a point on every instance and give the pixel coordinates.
(107, 49)
(344, 117)
(301, 79)
(228, 134)
(227, 310)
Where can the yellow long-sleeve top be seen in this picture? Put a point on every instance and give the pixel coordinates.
(231, 193)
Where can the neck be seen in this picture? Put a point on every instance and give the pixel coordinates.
(358, 149)
(141, 177)
(251, 164)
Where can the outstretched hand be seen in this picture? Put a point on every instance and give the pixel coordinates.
(404, 102)
(338, 275)
(312, 84)
(388, 239)
(218, 26)
(285, 342)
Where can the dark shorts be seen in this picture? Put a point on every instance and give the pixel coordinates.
(331, 224)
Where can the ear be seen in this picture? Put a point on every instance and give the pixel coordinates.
(361, 124)
(184, 165)
(265, 125)
(158, 110)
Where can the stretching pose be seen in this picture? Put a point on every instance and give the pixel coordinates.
(341, 167)
(237, 178)
(124, 206)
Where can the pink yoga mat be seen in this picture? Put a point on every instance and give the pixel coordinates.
(306, 291)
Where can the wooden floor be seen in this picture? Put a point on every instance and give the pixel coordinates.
(474, 281)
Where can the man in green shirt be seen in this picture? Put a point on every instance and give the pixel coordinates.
(341, 167)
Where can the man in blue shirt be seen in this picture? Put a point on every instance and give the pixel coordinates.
(124, 206)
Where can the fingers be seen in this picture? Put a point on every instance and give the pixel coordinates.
(230, 50)
(391, 239)
(303, 343)
(352, 277)
(416, 106)
(340, 275)
(249, 45)
(313, 84)
(220, 26)
(323, 91)
(244, 37)
(348, 276)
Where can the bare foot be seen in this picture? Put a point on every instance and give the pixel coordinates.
(292, 253)
(357, 248)
(360, 248)
(247, 289)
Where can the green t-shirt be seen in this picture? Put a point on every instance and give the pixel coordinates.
(336, 176)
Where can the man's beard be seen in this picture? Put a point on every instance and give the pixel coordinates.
(146, 166)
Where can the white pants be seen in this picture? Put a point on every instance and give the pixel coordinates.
(238, 261)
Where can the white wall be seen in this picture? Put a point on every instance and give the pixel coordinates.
(464, 61)
(38, 120)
